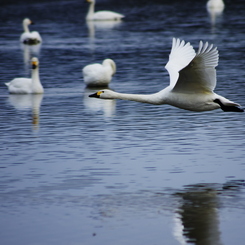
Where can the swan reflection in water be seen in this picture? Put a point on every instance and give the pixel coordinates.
(93, 26)
(215, 9)
(23, 102)
(196, 220)
(107, 107)
(29, 51)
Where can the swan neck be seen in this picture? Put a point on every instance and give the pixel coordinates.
(143, 98)
(36, 84)
(90, 11)
(25, 27)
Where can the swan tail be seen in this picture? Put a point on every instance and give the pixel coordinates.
(7, 84)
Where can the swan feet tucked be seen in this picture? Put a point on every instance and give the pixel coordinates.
(236, 108)
(192, 81)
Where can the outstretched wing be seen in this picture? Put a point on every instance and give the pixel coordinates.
(180, 56)
(200, 74)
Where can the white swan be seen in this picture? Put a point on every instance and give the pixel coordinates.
(98, 75)
(101, 15)
(215, 9)
(27, 85)
(192, 81)
(28, 37)
(216, 5)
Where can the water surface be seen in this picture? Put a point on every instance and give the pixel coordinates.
(76, 170)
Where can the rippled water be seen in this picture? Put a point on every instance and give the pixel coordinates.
(76, 170)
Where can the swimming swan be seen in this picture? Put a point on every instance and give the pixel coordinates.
(192, 81)
(217, 5)
(101, 15)
(98, 75)
(28, 37)
(27, 85)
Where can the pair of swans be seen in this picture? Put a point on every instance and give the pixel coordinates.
(99, 75)
(192, 81)
(28, 37)
(101, 15)
(27, 85)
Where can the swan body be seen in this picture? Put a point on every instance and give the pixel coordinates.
(101, 15)
(98, 75)
(192, 81)
(217, 5)
(27, 85)
(28, 37)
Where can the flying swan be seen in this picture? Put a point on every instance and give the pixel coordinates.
(27, 85)
(192, 81)
(28, 37)
(101, 15)
(98, 75)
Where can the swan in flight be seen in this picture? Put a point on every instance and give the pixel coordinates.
(192, 81)
(28, 37)
(101, 15)
(99, 75)
(27, 85)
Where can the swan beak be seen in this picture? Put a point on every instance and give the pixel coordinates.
(95, 95)
(34, 65)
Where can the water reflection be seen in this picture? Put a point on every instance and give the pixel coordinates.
(198, 217)
(26, 102)
(107, 107)
(101, 25)
(29, 51)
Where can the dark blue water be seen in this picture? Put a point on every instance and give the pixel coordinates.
(76, 170)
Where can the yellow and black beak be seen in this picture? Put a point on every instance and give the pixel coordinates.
(96, 95)
(34, 64)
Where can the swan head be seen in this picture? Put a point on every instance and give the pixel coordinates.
(103, 94)
(110, 63)
(34, 63)
(27, 22)
(90, 1)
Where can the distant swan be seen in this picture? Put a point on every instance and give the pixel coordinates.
(98, 75)
(216, 5)
(215, 9)
(192, 81)
(28, 37)
(27, 85)
(101, 15)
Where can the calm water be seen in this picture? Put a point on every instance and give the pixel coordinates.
(76, 170)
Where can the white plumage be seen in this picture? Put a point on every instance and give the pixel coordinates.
(27, 85)
(101, 15)
(98, 75)
(28, 37)
(216, 4)
(192, 81)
